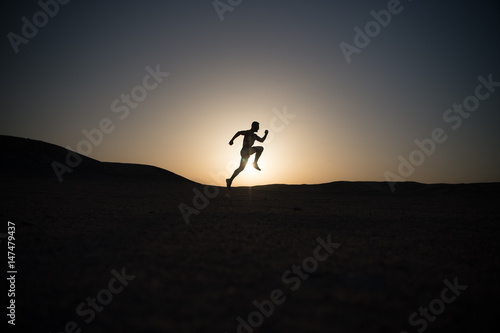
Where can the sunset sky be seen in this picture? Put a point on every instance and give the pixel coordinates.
(276, 62)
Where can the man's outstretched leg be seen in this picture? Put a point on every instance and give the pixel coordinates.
(236, 172)
(258, 152)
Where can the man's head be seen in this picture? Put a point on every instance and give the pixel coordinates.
(255, 126)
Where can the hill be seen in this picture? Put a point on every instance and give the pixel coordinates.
(26, 158)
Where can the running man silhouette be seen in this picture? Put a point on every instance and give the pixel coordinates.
(249, 138)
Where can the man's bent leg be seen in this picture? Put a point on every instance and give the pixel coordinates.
(258, 151)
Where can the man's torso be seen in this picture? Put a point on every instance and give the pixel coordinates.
(248, 139)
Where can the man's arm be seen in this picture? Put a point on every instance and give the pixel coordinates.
(263, 138)
(235, 136)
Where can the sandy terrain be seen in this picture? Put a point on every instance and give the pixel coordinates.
(395, 252)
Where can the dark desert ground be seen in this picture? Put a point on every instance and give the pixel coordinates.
(396, 249)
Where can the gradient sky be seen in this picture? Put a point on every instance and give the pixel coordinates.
(350, 121)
